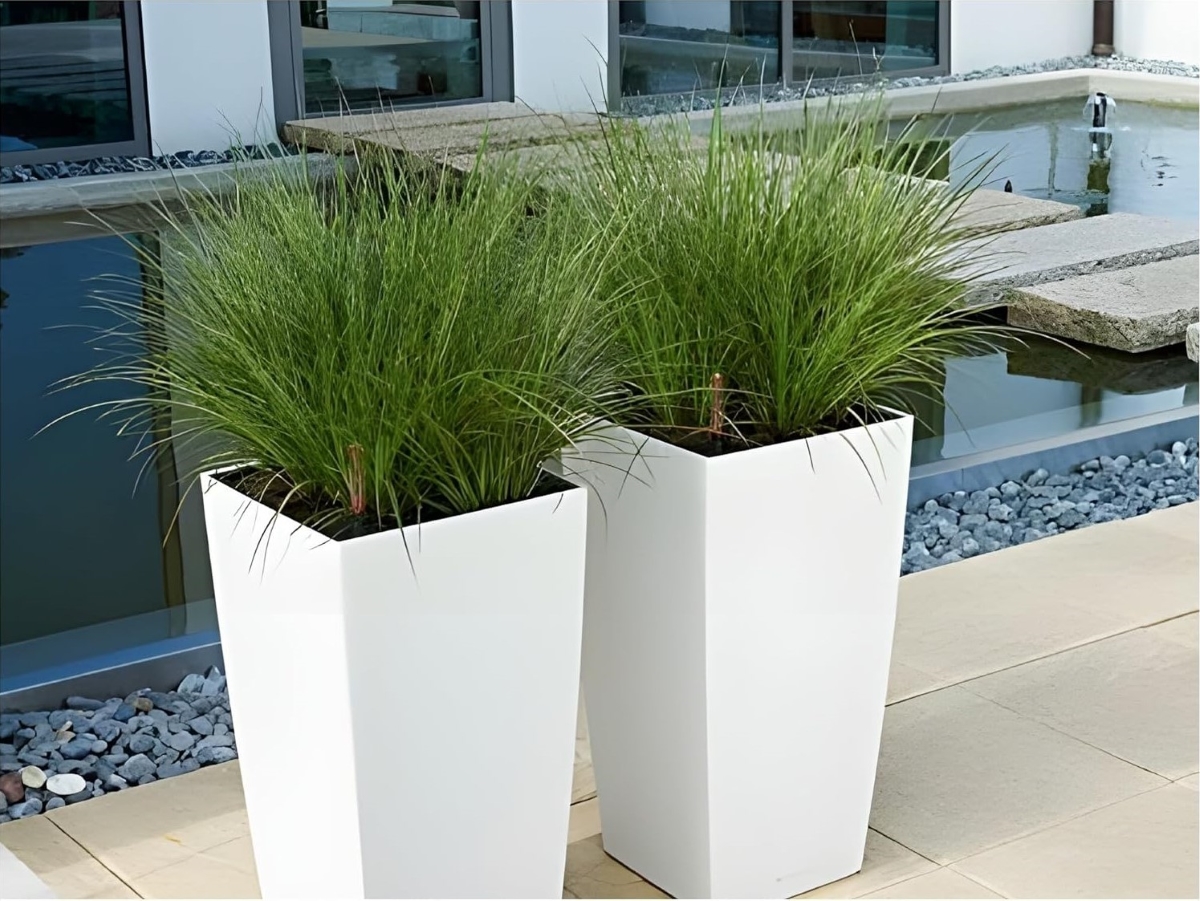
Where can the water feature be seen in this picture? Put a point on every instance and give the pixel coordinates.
(1151, 165)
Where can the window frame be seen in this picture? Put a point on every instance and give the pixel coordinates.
(135, 80)
(287, 63)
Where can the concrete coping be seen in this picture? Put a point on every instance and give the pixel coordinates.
(979, 94)
(122, 189)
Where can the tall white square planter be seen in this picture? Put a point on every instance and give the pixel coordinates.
(405, 715)
(737, 635)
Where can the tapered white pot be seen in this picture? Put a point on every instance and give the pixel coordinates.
(404, 702)
(737, 633)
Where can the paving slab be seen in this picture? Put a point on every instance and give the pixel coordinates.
(884, 864)
(939, 884)
(1193, 342)
(1144, 847)
(992, 210)
(1133, 310)
(1064, 250)
(447, 130)
(1133, 695)
(63, 868)
(959, 774)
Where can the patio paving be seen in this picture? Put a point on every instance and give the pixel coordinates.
(1040, 742)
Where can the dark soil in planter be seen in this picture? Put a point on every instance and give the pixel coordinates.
(332, 520)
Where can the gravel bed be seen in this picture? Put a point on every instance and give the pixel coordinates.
(675, 103)
(111, 165)
(955, 526)
(51, 758)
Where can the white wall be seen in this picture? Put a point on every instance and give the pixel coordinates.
(1158, 29)
(560, 49)
(985, 33)
(208, 73)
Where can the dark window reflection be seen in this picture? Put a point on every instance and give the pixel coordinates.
(63, 75)
(372, 53)
(78, 545)
(673, 47)
(832, 39)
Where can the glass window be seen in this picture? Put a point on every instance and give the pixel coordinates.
(80, 546)
(837, 39)
(64, 78)
(370, 53)
(671, 47)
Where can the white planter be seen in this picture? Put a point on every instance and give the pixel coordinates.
(737, 634)
(401, 735)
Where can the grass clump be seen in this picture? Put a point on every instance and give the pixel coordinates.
(777, 296)
(381, 348)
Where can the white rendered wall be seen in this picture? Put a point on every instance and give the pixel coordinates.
(560, 48)
(1157, 29)
(208, 74)
(985, 33)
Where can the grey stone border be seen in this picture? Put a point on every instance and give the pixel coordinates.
(91, 193)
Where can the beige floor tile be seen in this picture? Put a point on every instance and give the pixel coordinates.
(1192, 781)
(959, 774)
(907, 681)
(226, 871)
(885, 863)
(1134, 695)
(1016, 605)
(1184, 630)
(938, 884)
(60, 862)
(153, 826)
(583, 785)
(1145, 847)
(1182, 521)
(585, 821)
(593, 874)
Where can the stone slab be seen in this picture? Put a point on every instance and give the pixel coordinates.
(449, 130)
(992, 210)
(1064, 250)
(1136, 309)
(1193, 342)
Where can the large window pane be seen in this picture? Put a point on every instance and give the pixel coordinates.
(851, 39)
(79, 546)
(669, 46)
(63, 76)
(368, 53)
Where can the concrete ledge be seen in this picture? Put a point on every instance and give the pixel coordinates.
(1193, 342)
(982, 94)
(1136, 309)
(1068, 249)
(103, 192)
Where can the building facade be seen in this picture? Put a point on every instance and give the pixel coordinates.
(91, 79)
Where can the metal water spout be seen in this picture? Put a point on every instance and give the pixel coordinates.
(1098, 110)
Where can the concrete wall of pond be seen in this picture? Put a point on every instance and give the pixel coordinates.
(1157, 29)
(985, 33)
(208, 74)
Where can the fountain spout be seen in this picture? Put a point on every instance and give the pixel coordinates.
(1098, 110)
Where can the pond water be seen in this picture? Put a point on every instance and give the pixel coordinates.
(1153, 165)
